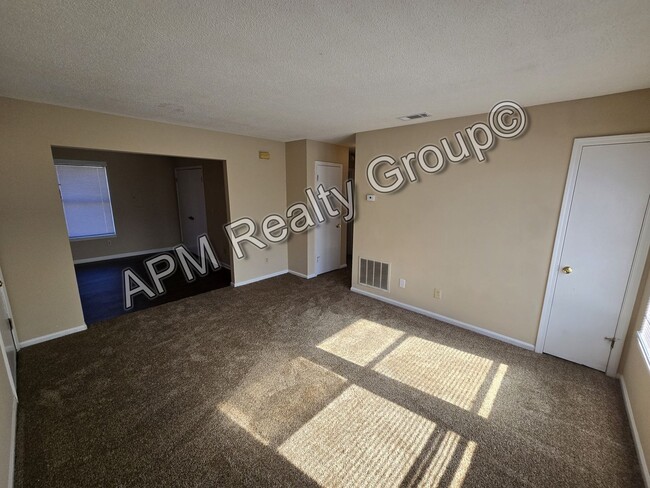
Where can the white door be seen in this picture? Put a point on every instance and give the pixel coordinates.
(605, 232)
(7, 335)
(328, 234)
(191, 205)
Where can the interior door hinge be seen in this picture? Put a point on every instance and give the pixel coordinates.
(612, 341)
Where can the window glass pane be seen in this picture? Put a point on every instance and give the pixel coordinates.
(644, 333)
(86, 200)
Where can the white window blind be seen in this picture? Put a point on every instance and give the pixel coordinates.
(644, 333)
(86, 200)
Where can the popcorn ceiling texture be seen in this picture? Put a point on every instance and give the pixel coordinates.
(317, 70)
(251, 386)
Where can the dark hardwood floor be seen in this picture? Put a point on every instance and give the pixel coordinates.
(101, 287)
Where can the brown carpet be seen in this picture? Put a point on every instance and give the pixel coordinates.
(290, 382)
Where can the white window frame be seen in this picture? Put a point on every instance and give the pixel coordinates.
(644, 342)
(92, 164)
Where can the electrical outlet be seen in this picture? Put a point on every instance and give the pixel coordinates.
(402, 283)
(437, 293)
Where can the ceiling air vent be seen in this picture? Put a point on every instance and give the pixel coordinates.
(422, 115)
(374, 273)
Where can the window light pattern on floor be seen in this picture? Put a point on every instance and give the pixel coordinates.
(450, 374)
(364, 440)
(360, 439)
(361, 341)
(356, 438)
(450, 452)
(491, 395)
(276, 399)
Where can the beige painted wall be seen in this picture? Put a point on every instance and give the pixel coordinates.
(634, 369)
(482, 233)
(296, 153)
(143, 197)
(637, 380)
(301, 173)
(216, 203)
(34, 250)
(6, 424)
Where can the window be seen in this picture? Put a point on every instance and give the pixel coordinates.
(86, 199)
(644, 333)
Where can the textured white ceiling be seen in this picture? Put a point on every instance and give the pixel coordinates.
(317, 69)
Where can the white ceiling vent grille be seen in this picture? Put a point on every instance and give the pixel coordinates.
(374, 273)
(422, 115)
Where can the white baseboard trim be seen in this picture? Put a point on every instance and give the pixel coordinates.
(635, 434)
(344, 265)
(259, 278)
(123, 255)
(12, 446)
(458, 323)
(225, 265)
(54, 335)
(307, 277)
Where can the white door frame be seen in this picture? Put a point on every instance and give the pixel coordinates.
(5, 298)
(638, 263)
(327, 163)
(316, 183)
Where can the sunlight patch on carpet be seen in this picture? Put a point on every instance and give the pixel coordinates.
(463, 465)
(491, 395)
(450, 374)
(360, 439)
(276, 398)
(361, 341)
(438, 466)
(447, 457)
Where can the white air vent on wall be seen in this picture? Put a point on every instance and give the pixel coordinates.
(374, 273)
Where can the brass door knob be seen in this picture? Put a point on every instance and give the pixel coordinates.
(567, 270)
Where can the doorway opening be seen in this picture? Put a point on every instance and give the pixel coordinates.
(123, 208)
(350, 234)
(328, 234)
